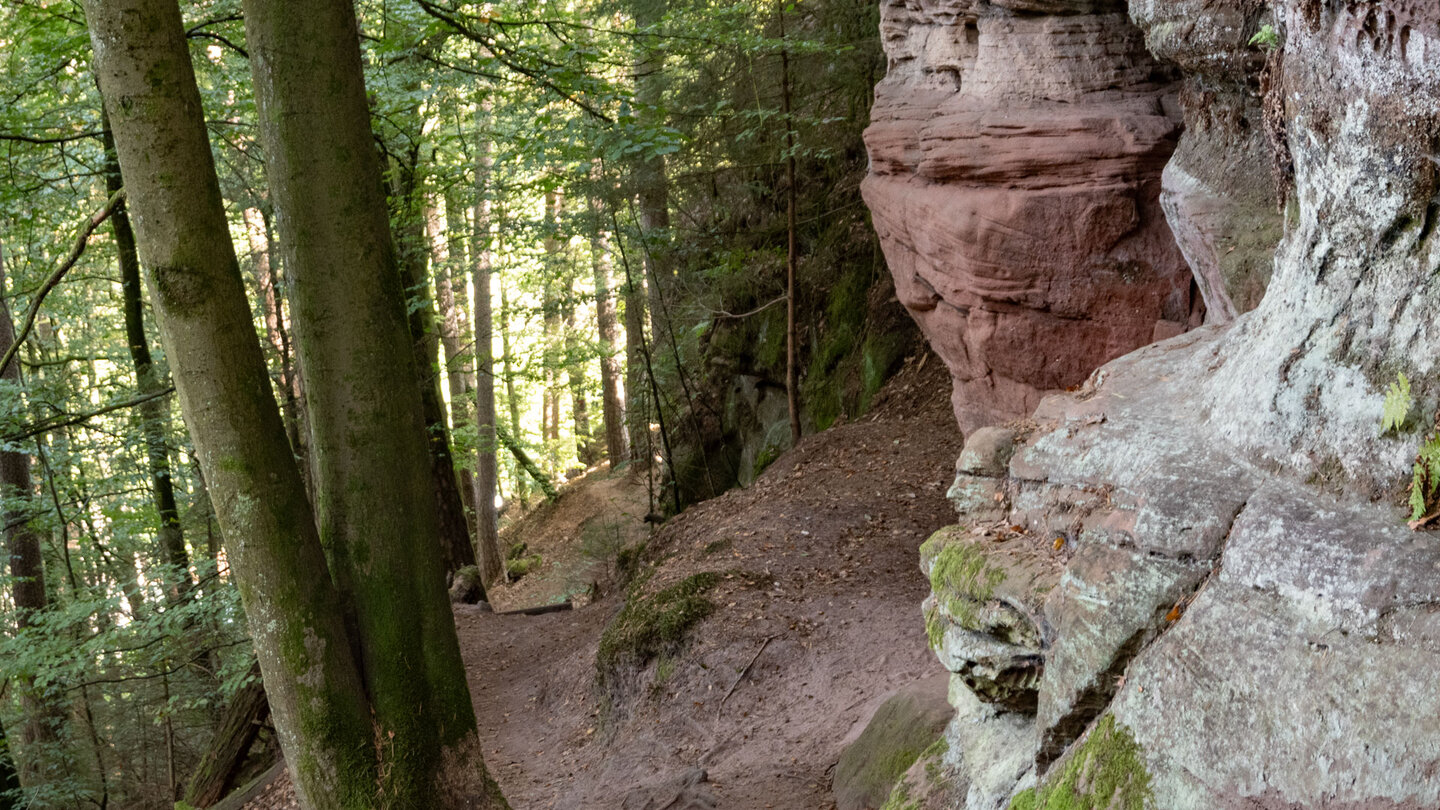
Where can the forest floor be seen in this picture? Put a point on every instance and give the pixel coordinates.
(816, 621)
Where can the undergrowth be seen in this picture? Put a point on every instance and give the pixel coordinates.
(653, 625)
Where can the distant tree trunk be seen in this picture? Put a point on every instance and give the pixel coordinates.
(575, 371)
(404, 728)
(651, 176)
(425, 343)
(636, 422)
(792, 368)
(611, 398)
(41, 717)
(155, 413)
(550, 307)
(9, 778)
(450, 295)
(260, 237)
(512, 398)
(487, 535)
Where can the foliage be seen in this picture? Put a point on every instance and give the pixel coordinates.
(1267, 37)
(1425, 480)
(1398, 403)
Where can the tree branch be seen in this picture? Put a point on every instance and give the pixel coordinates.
(44, 427)
(55, 277)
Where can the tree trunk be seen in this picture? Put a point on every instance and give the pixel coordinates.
(612, 399)
(39, 738)
(454, 530)
(295, 614)
(792, 367)
(154, 413)
(651, 177)
(636, 423)
(575, 372)
(450, 295)
(487, 534)
(550, 308)
(512, 399)
(377, 514)
(225, 756)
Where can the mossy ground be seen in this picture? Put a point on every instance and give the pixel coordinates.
(1106, 772)
(653, 625)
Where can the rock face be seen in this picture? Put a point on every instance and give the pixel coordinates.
(1016, 149)
(1240, 616)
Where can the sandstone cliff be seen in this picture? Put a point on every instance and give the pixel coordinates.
(1016, 149)
(1190, 583)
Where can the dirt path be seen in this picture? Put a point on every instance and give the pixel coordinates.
(817, 620)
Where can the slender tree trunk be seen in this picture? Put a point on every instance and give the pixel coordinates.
(154, 413)
(295, 614)
(487, 534)
(612, 399)
(636, 423)
(792, 367)
(575, 372)
(39, 738)
(652, 178)
(550, 307)
(450, 295)
(512, 398)
(376, 515)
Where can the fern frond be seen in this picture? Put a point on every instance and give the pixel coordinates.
(1425, 478)
(1397, 405)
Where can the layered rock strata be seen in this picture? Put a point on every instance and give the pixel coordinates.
(1016, 149)
(1241, 616)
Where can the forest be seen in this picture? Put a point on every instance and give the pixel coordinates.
(589, 219)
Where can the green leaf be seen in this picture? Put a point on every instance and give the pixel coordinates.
(1397, 405)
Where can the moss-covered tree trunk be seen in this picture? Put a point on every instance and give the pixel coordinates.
(376, 511)
(154, 413)
(193, 279)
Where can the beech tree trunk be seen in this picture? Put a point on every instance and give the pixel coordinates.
(377, 515)
(425, 342)
(450, 295)
(277, 333)
(154, 413)
(512, 400)
(404, 727)
(575, 372)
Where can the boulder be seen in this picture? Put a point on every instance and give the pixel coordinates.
(905, 726)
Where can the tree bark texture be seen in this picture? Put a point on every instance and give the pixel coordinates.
(377, 515)
(154, 413)
(193, 278)
(260, 236)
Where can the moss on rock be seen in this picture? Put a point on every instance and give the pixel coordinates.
(1106, 771)
(963, 581)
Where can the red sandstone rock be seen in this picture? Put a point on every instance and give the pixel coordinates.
(1015, 176)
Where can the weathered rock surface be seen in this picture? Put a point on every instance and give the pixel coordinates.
(1243, 618)
(905, 726)
(1016, 148)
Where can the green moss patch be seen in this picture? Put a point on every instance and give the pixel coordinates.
(1105, 772)
(904, 729)
(963, 582)
(653, 625)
